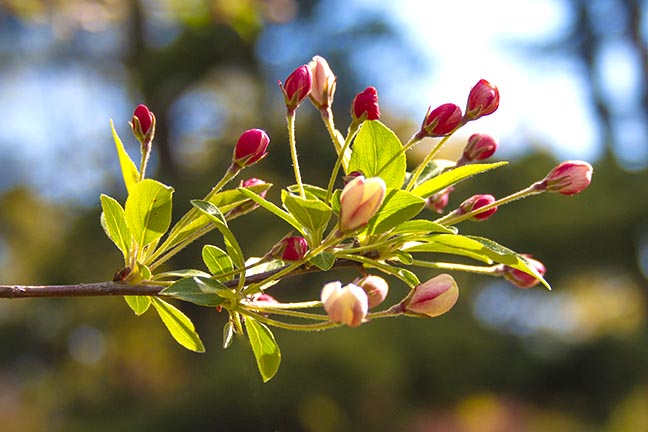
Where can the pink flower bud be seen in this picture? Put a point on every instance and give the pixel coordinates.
(250, 148)
(360, 200)
(439, 200)
(479, 147)
(254, 182)
(353, 174)
(483, 100)
(521, 279)
(476, 202)
(568, 178)
(264, 298)
(323, 83)
(143, 124)
(375, 287)
(294, 248)
(434, 297)
(366, 104)
(249, 205)
(348, 305)
(440, 121)
(297, 87)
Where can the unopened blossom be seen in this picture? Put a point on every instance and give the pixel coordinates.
(434, 297)
(323, 82)
(440, 121)
(520, 278)
(476, 202)
(439, 201)
(359, 201)
(347, 305)
(479, 147)
(375, 287)
(568, 178)
(143, 124)
(483, 100)
(248, 205)
(365, 105)
(294, 248)
(250, 147)
(297, 87)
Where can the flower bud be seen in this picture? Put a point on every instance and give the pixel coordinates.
(365, 105)
(248, 205)
(479, 147)
(294, 248)
(359, 201)
(439, 200)
(348, 305)
(143, 124)
(434, 297)
(323, 81)
(440, 121)
(250, 148)
(568, 178)
(483, 100)
(264, 298)
(375, 287)
(521, 279)
(476, 202)
(297, 87)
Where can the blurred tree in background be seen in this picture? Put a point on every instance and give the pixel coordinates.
(502, 360)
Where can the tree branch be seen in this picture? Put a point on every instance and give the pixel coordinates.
(98, 289)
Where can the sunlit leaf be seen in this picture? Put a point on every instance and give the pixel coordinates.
(148, 211)
(192, 290)
(128, 168)
(312, 214)
(216, 260)
(324, 261)
(139, 304)
(398, 207)
(231, 244)
(114, 221)
(265, 348)
(274, 210)
(451, 177)
(179, 325)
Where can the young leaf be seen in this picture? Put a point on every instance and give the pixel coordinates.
(265, 348)
(139, 304)
(274, 210)
(376, 153)
(398, 207)
(148, 211)
(449, 178)
(216, 260)
(128, 168)
(194, 291)
(114, 221)
(179, 325)
(423, 227)
(215, 216)
(312, 214)
(324, 261)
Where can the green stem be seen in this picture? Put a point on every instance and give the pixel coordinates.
(338, 162)
(428, 158)
(385, 268)
(290, 120)
(453, 218)
(146, 152)
(285, 312)
(483, 270)
(294, 305)
(288, 326)
(327, 118)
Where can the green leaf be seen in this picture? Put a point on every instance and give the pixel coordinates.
(274, 209)
(377, 152)
(217, 260)
(181, 274)
(139, 304)
(423, 227)
(128, 168)
(148, 211)
(312, 192)
(179, 325)
(231, 244)
(324, 261)
(398, 207)
(265, 348)
(409, 277)
(196, 291)
(454, 176)
(312, 214)
(114, 223)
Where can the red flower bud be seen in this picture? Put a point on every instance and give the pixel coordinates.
(375, 287)
(365, 105)
(323, 81)
(250, 148)
(483, 100)
(348, 305)
(479, 147)
(254, 182)
(434, 297)
(521, 279)
(143, 124)
(568, 178)
(359, 201)
(297, 87)
(476, 202)
(439, 200)
(294, 248)
(440, 121)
